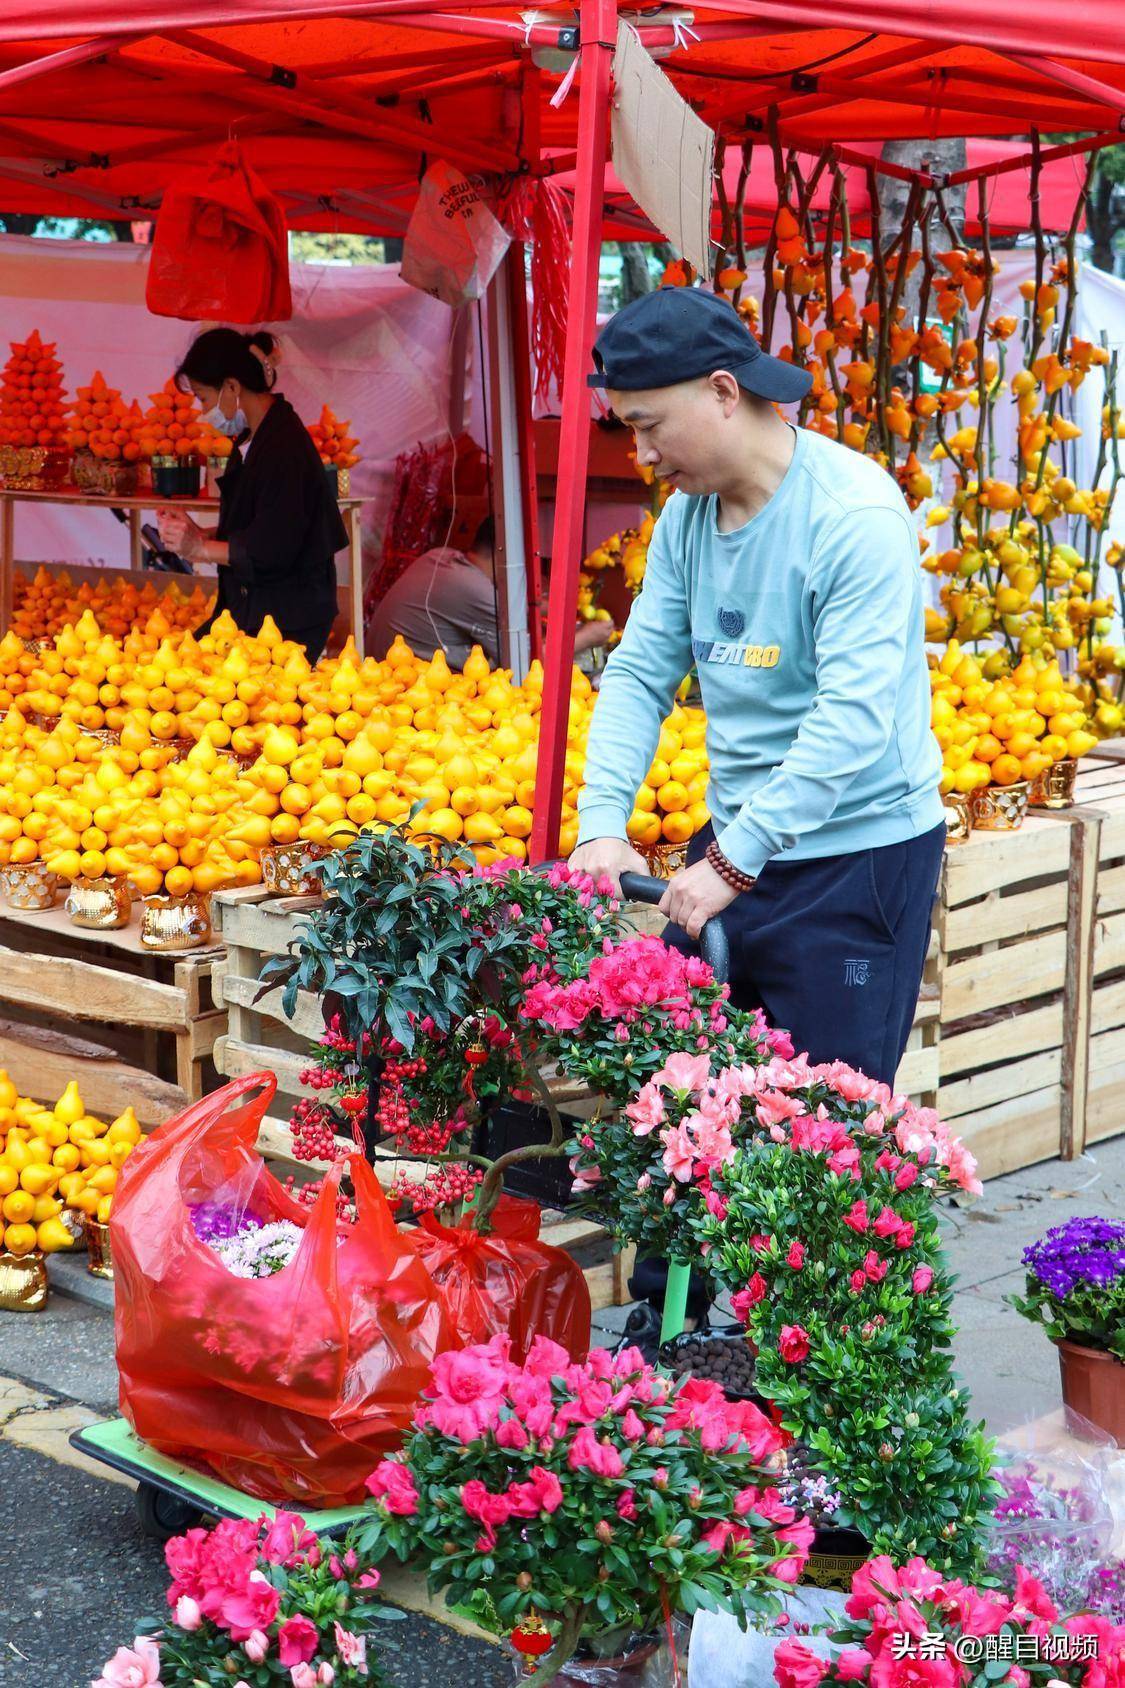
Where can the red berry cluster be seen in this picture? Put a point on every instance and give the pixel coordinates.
(318, 1078)
(307, 1195)
(311, 1128)
(445, 1186)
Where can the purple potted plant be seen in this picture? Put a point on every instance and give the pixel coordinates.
(1076, 1291)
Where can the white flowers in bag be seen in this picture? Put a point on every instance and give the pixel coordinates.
(454, 244)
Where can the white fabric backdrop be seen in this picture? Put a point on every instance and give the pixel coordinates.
(375, 349)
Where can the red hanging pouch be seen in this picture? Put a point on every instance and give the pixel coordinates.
(290, 1387)
(220, 249)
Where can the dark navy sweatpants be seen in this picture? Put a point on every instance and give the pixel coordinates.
(833, 948)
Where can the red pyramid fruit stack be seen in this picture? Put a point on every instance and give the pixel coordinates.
(31, 396)
(103, 424)
(173, 427)
(333, 441)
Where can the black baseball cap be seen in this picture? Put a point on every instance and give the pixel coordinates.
(680, 333)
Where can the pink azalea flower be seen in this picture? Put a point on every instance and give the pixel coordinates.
(906, 1175)
(469, 1385)
(137, 1666)
(352, 1650)
(858, 1281)
(922, 1279)
(626, 1505)
(297, 1640)
(256, 1646)
(774, 1107)
(888, 1224)
(856, 1217)
(287, 1539)
(186, 1614)
(796, 1256)
(646, 1111)
(743, 1299)
(302, 1675)
(1033, 1597)
(588, 1454)
(679, 1154)
(393, 1483)
(512, 1435)
(683, 1072)
(793, 1344)
(852, 1664)
(243, 1610)
(797, 1666)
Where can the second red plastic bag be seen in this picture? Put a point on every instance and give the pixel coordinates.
(508, 1280)
(290, 1387)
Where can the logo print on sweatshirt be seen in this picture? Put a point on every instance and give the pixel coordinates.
(732, 622)
(855, 972)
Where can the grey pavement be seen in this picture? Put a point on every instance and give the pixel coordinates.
(75, 1570)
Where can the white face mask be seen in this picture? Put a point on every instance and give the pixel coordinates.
(231, 426)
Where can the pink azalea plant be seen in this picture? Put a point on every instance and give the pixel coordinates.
(603, 1496)
(258, 1604)
(821, 1221)
(651, 1165)
(911, 1628)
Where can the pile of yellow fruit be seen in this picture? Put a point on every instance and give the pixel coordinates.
(281, 752)
(998, 731)
(56, 1160)
(627, 550)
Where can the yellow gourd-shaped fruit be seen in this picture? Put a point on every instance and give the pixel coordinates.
(70, 1107)
(52, 1236)
(125, 1128)
(9, 1095)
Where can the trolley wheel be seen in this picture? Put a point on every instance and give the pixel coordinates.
(162, 1515)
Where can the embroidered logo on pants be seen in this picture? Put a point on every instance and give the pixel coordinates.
(855, 972)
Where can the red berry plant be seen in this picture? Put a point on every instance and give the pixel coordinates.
(422, 959)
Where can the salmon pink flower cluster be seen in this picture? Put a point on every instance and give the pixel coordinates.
(252, 1595)
(604, 1483)
(910, 1627)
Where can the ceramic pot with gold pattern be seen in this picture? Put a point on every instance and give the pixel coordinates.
(1000, 808)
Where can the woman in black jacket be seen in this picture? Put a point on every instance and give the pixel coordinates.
(279, 524)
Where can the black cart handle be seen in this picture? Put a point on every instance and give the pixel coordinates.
(713, 945)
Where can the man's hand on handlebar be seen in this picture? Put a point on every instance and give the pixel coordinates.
(609, 856)
(694, 896)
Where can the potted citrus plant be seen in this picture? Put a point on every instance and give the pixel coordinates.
(579, 1507)
(1075, 1289)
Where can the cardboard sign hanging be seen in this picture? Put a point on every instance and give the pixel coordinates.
(663, 153)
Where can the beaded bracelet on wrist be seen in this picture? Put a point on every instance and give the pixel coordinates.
(726, 870)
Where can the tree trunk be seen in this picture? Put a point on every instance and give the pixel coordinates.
(635, 277)
(19, 222)
(1099, 222)
(936, 156)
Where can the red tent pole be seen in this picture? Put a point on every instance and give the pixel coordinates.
(1101, 92)
(1090, 143)
(599, 32)
(67, 58)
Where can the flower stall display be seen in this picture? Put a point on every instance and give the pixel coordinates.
(287, 1378)
(911, 1624)
(821, 1220)
(259, 1602)
(1075, 1288)
(594, 1499)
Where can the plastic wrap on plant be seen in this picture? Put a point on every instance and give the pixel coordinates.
(289, 1387)
(725, 1656)
(1056, 1515)
(640, 1661)
(508, 1280)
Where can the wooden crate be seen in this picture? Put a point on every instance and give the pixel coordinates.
(1101, 787)
(255, 925)
(130, 1026)
(1013, 977)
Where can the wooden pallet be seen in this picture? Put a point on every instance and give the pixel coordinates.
(1013, 977)
(153, 1016)
(1101, 787)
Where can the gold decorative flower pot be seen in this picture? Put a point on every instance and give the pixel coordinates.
(958, 816)
(285, 869)
(99, 1251)
(1054, 789)
(23, 1282)
(1000, 808)
(664, 859)
(101, 904)
(176, 923)
(29, 885)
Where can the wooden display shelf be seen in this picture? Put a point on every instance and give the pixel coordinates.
(1015, 936)
(134, 505)
(155, 1011)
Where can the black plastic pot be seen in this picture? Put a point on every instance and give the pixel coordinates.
(719, 1335)
(517, 1125)
(175, 477)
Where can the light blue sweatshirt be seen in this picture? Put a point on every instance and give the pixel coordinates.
(806, 629)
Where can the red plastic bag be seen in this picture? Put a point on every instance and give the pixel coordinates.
(290, 1387)
(220, 249)
(508, 1280)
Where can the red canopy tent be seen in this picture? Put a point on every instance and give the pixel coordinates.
(339, 102)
